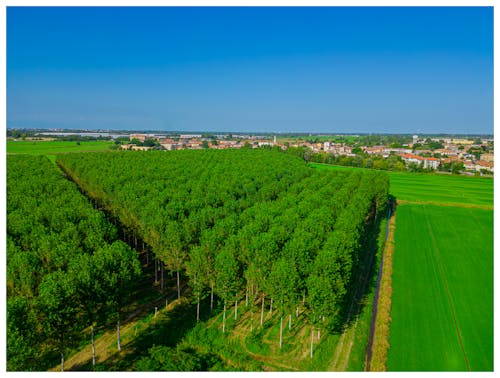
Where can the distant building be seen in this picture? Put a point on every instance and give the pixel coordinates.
(415, 139)
(487, 157)
(190, 136)
(427, 162)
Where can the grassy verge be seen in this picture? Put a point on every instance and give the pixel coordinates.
(382, 321)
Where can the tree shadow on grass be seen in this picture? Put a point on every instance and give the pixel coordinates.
(365, 272)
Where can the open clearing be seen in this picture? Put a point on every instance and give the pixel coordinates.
(442, 308)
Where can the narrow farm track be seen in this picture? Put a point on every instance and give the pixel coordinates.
(445, 283)
(369, 347)
(452, 204)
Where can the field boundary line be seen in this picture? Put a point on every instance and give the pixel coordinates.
(376, 358)
(448, 294)
(450, 204)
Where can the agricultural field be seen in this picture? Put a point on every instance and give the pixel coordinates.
(445, 321)
(55, 147)
(251, 260)
(442, 288)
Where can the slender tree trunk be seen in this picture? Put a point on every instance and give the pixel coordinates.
(198, 309)
(118, 334)
(312, 341)
(290, 322)
(156, 270)
(303, 299)
(271, 306)
(212, 299)
(147, 258)
(262, 312)
(166, 302)
(93, 345)
(251, 320)
(281, 331)
(178, 286)
(162, 279)
(236, 309)
(224, 319)
(319, 334)
(297, 311)
(246, 298)
(62, 361)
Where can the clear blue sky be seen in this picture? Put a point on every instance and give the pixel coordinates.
(379, 70)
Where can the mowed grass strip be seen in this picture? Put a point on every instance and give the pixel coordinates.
(440, 249)
(435, 188)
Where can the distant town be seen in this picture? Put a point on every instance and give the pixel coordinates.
(445, 153)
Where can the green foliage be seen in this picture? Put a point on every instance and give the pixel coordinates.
(162, 358)
(56, 245)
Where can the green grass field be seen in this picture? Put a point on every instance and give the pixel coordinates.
(442, 288)
(55, 147)
(435, 188)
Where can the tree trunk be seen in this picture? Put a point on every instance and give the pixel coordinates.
(212, 299)
(246, 298)
(166, 302)
(290, 322)
(319, 334)
(118, 334)
(156, 270)
(281, 331)
(271, 306)
(297, 311)
(303, 299)
(162, 280)
(178, 286)
(312, 341)
(62, 361)
(224, 319)
(198, 309)
(236, 309)
(93, 345)
(147, 258)
(262, 312)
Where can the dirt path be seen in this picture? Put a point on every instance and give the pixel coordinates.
(378, 343)
(452, 204)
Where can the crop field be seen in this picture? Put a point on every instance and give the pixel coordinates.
(54, 147)
(442, 314)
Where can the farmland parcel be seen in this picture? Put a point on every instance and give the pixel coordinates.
(442, 308)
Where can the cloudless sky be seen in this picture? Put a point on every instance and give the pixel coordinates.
(321, 69)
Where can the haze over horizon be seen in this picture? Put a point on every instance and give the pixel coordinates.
(294, 69)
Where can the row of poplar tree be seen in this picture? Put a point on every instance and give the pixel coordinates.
(242, 223)
(66, 270)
